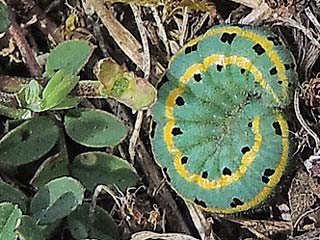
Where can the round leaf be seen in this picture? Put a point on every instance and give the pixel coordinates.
(94, 168)
(53, 167)
(69, 56)
(29, 230)
(94, 128)
(29, 141)
(10, 194)
(102, 227)
(56, 199)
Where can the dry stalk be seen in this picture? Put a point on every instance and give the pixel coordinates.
(28, 55)
(126, 41)
(303, 122)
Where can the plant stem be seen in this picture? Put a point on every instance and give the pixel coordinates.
(24, 47)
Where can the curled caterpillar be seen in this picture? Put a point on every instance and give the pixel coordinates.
(221, 135)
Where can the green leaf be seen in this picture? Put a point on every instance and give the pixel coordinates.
(93, 168)
(4, 17)
(53, 167)
(32, 92)
(57, 89)
(70, 56)
(94, 128)
(29, 230)
(56, 199)
(9, 220)
(102, 226)
(14, 112)
(67, 103)
(29, 141)
(29, 96)
(10, 194)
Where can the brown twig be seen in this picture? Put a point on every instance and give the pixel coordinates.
(27, 9)
(13, 85)
(126, 41)
(18, 35)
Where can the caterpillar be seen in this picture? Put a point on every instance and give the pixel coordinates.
(221, 135)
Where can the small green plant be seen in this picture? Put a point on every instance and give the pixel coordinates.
(37, 137)
(62, 68)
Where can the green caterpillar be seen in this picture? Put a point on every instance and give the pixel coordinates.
(221, 136)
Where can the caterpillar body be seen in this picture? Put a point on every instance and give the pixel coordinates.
(221, 135)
